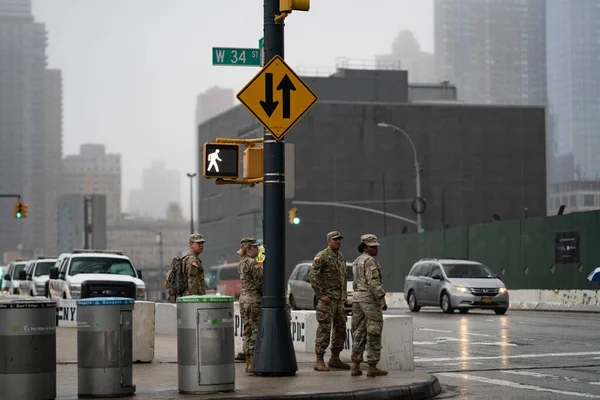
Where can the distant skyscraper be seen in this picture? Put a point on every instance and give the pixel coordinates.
(213, 102)
(407, 55)
(573, 34)
(52, 156)
(160, 187)
(494, 51)
(93, 171)
(26, 129)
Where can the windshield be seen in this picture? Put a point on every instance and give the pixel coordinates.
(43, 268)
(18, 268)
(101, 265)
(468, 271)
(349, 273)
(210, 278)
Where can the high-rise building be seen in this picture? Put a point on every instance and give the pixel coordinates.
(160, 186)
(52, 142)
(573, 112)
(494, 51)
(24, 113)
(213, 102)
(407, 55)
(93, 171)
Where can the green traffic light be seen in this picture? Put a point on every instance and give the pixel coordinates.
(19, 215)
(296, 221)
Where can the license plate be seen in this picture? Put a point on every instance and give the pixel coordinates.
(486, 299)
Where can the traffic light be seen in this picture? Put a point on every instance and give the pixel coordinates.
(24, 207)
(290, 5)
(18, 210)
(253, 162)
(293, 216)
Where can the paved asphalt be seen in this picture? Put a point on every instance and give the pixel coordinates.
(523, 354)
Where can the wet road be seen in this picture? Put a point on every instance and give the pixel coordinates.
(523, 354)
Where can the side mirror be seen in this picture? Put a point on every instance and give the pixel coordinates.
(7, 277)
(53, 274)
(437, 277)
(139, 272)
(22, 275)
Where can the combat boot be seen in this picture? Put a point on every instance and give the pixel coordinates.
(335, 362)
(249, 359)
(356, 369)
(320, 364)
(374, 371)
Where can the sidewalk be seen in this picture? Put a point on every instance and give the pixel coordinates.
(158, 380)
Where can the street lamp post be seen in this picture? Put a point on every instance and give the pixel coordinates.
(191, 176)
(417, 166)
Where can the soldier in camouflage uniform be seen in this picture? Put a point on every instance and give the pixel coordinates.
(368, 301)
(328, 280)
(251, 275)
(194, 271)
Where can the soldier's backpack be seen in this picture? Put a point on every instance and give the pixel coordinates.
(176, 279)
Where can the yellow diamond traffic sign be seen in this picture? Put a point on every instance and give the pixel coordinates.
(277, 97)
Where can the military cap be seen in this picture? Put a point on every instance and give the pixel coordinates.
(248, 241)
(334, 235)
(196, 237)
(369, 239)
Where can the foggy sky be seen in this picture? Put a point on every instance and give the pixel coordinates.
(132, 68)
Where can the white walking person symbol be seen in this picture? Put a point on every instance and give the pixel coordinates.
(212, 160)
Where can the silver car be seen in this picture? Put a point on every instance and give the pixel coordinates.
(454, 284)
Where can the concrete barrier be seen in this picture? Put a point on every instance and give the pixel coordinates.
(166, 318)
(144, 320)
(143, 331)
(534, 299)
(397, 352)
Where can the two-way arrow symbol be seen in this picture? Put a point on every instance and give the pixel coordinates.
(286, 86)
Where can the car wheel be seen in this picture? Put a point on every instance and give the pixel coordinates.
(500, 311)
(463, 310)
(412, 302)
(446, 304)
(293, 302)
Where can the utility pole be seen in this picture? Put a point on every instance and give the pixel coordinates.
(191, 176)
(274, 353)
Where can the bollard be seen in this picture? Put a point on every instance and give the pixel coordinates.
(205, 344)
(105, 347)
(28, 349)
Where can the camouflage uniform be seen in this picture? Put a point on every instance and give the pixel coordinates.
(194, 271)
(251, 276)
(328, 278)
(367, 316)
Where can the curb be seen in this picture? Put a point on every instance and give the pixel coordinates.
(419, 391)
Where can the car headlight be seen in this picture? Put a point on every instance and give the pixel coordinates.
(75, 290)
(463, 289)
(140, 293)
(502, 290)
(40, 286)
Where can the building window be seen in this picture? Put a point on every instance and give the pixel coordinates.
(588, 200)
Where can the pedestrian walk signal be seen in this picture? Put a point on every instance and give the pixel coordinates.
(20, 210)
(221, 160)
(293, 216)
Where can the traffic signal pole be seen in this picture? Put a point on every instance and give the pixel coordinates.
(274, 351)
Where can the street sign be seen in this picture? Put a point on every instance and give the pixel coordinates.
(221, 160)
(236, 57)
(277, 97)
(261, 42)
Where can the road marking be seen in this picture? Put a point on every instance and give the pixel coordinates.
(554, 377)
(479, 334)
(516, 385)
(439, 340)
(447, 359)
(433, 330)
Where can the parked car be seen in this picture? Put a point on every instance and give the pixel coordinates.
(454, 284)
(11, 277)
(301, 295)
(34, 279)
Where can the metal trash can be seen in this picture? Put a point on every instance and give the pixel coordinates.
(105, 347)
(28, 349)
(205, 344)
